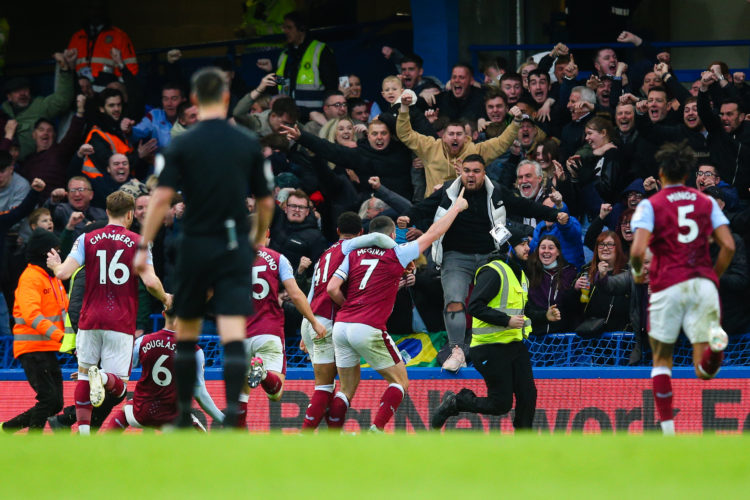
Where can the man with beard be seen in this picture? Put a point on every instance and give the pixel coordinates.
(728, 137)
(442, 157)
(495, 108)
(468, 243)
(108, 136)
(463, 100)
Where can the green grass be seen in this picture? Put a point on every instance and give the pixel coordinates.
(428, 465)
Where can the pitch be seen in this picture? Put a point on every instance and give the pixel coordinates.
(426, 465)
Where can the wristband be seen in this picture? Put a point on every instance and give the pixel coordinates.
(635, 274)
(142, 246)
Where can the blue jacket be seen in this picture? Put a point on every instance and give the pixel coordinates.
(569, 235)
(153, 126)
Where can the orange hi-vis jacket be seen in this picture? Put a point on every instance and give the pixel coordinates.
(115, 143)
(97, 53)
(39, 311)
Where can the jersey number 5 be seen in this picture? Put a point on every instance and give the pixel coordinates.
(117, 272)
(690, 224)
(257, 280)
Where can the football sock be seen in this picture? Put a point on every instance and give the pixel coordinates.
(235, 369)
(661, 378)
(83, 404)
(711, 362)
(117, 422)
(337, 412)
(392, 397)
(272, 384)
(319, 403)
(113, 384)
(185, 371)
(242, 411)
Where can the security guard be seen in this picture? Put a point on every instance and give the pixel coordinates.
(40, 306)
(307, 66)
(498, 305)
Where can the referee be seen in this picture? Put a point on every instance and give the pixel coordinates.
(498, 305)
(215, 165)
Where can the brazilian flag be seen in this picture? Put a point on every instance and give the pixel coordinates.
(422, 348)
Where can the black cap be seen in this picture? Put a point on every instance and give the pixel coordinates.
(715, 193)
(519, 233)
(17, 83)
(40, 242)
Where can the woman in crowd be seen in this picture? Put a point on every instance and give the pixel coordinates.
(609, 259)
(600, 174)
(551, 283)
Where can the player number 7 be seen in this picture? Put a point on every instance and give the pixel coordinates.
(371, 263)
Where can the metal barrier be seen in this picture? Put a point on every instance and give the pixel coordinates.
(682, 75)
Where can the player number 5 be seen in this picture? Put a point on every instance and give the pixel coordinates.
(257, 280)
(690, 224)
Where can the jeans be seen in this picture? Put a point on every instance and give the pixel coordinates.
(457, 274)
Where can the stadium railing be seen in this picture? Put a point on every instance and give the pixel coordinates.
(684, 75)
(560, 350)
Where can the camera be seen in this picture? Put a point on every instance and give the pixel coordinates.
(283, 81)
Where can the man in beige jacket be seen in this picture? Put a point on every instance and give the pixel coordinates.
(442, 157)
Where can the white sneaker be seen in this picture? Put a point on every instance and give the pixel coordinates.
(96, 388)
(456, 361)
(717, 339)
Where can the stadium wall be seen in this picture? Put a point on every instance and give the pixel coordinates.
(569, 400)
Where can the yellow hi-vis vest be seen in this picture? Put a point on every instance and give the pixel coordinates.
(511, 299)
(309, 88)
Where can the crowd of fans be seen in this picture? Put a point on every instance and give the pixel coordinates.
(546, 141)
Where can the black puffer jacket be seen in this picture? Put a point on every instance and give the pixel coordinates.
(392, 164)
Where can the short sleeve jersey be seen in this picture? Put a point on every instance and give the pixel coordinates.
(320, 302)
(681, 220)
(373, 274)
(156, 392)
(216, 165)
(269, 271)
(110, 300)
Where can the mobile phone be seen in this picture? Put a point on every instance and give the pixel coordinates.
(344, 82)
(401, 235)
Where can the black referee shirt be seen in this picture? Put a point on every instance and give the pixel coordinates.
(216, 166)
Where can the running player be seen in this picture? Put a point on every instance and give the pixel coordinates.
(676, 224)
(264, 345)
(320, 350)
(373, 274)
(154, 401)
(110, 302)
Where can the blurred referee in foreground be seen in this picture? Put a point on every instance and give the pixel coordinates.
(216, 166)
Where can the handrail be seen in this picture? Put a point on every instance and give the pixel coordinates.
(231, 44)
